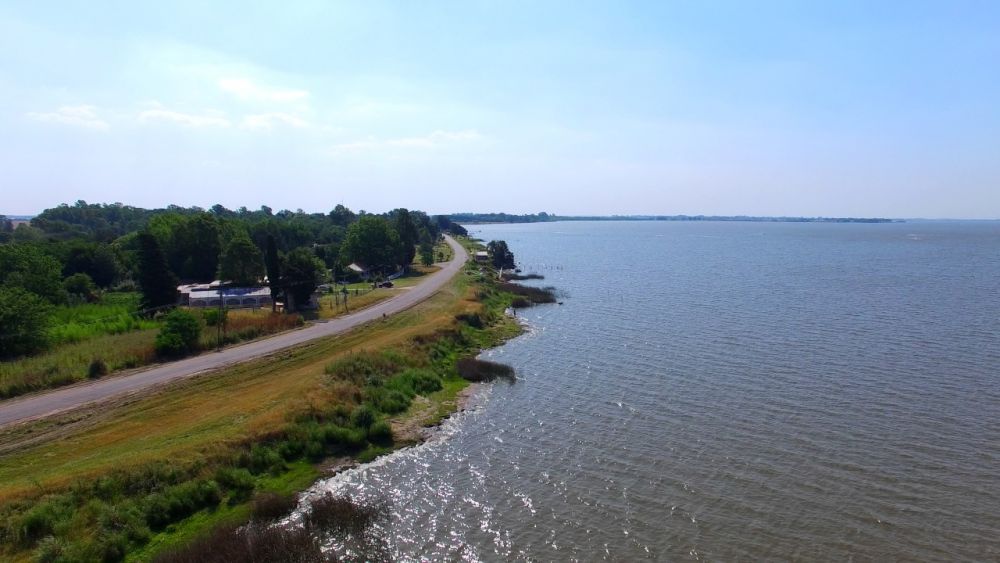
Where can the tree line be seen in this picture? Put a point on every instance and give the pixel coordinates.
(71, 253)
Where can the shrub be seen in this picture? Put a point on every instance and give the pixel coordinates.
(380, 433)
(363, 416)
(268, 507)
(471, 319)
(342, 514)
(481, 370)
(212, 316)
(42, 520)
(250, 543)
(237, 480)
(179, 335)
(81, 287)
(388, 400)
(181, 501)
(421, 381)
(263, 459)
(97, 368)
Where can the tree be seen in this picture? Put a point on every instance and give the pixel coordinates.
(24, 322)
(241, 261)
(197, 247)
(371, 241)
(342, 216)
(272, 263)
(81, 286)
(27, 267)
(408, 235)
(96, 260)
(303, 272)
(157, 282)
(426, 253)
(500, 255)
(6, 229)
(179, 335)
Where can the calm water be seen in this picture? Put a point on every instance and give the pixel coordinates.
(726, 391)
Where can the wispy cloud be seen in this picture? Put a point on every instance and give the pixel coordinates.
(246, 89)
(78, 116)
(185, 119)
(269, 120)
(430, 141)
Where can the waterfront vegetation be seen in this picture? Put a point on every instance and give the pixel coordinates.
(240, 439)
(86, 290)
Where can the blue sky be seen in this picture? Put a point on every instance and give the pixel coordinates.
(783, 108)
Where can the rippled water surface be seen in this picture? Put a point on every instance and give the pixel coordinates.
(726, 391)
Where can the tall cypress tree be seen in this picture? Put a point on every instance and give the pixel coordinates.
(272, 263)
(158, 283)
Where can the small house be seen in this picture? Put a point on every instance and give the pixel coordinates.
(482, 256)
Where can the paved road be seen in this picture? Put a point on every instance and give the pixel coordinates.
(67, 398)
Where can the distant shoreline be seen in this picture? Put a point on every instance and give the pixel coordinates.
(501, 218)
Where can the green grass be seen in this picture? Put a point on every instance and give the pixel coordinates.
(299, 476)
(274, 417)
(70, 361)
(115, 314)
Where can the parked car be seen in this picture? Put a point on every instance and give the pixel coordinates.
(385, 284)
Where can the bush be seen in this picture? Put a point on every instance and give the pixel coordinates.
(228, 544)
(43, 520)
(237, 480)
(268, 507)
(179, 335)
(481, 370)
(471, 319)
(97, 368)
(340, 514)
(181, 501)
(262, 459)
(380, 433)
(212, 316)
(363, 416)
(81, 287)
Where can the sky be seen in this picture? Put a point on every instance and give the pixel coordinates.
(863, 109)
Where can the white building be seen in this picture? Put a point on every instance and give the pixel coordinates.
(208, 295)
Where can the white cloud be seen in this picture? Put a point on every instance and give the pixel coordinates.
(248, 90)
(269, 120)
(79, 116)
(430, 141)
(185, 119)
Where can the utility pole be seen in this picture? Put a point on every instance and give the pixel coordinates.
(218, 322)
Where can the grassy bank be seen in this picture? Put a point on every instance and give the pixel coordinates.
(92, 345)
(98, 487)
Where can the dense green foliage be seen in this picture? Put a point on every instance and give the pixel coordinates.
(373, 242)
(28, 268)
(241, 262)
(179, 335)
(303, 272)
(23, 322)
(501, 256)
(157, 282)
(79, 257)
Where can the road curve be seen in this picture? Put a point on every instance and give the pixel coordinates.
(67, 398)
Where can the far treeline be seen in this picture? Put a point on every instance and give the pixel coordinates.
(76, 253)
(543, 217)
